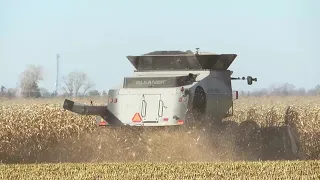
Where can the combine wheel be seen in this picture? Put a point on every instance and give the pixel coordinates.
(228, 128)
(198, 109)
(248, 140)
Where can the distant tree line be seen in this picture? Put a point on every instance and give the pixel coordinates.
(284, 89)
(78, 84)
(75, 84)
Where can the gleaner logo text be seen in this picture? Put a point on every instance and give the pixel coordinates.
(150, 82)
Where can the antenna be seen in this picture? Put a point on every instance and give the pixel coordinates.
(57, 78)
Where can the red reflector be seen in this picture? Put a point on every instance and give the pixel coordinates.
(165, 119)
(110, 100)
(180, 121)
(180, 99)
(103, 123)
(136, 118)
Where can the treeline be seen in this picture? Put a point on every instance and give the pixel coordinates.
(284, 89)
(78, 84)
(74, 84)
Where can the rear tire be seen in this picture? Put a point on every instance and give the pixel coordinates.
(199, 106)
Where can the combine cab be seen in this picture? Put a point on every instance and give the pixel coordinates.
(176, 88)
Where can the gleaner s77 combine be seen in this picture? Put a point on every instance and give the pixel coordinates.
(176, 88)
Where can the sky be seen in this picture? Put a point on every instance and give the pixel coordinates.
(276, 41)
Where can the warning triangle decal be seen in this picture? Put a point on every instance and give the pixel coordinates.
(136, 118)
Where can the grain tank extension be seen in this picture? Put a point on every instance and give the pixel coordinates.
(177, 88)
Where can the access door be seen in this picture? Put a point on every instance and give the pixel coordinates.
(150, 108)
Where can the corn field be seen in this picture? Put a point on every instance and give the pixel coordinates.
(41, 131)
(238, 170)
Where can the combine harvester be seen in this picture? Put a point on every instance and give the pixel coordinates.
(176, 88)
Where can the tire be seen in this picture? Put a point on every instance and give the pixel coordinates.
(198, 110)
(229, 126)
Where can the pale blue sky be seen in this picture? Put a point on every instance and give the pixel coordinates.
(276, 40)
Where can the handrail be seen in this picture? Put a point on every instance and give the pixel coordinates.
(144, 108)
(162, 104)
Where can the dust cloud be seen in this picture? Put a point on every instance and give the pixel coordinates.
(150, 144)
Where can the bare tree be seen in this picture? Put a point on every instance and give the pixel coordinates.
(261, 92)
(93, 93)
(75, 81)
(104, 93)
(89, 85)
(44, 92)
(312, 92)
(317, 89)
(284, 89)
(29, 80)
(3, 89)
(69, 81)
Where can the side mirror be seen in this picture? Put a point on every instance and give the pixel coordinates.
(250, 80)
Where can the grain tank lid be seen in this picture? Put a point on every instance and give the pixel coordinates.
(168, 53)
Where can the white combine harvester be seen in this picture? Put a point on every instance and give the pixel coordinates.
(176, 88)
